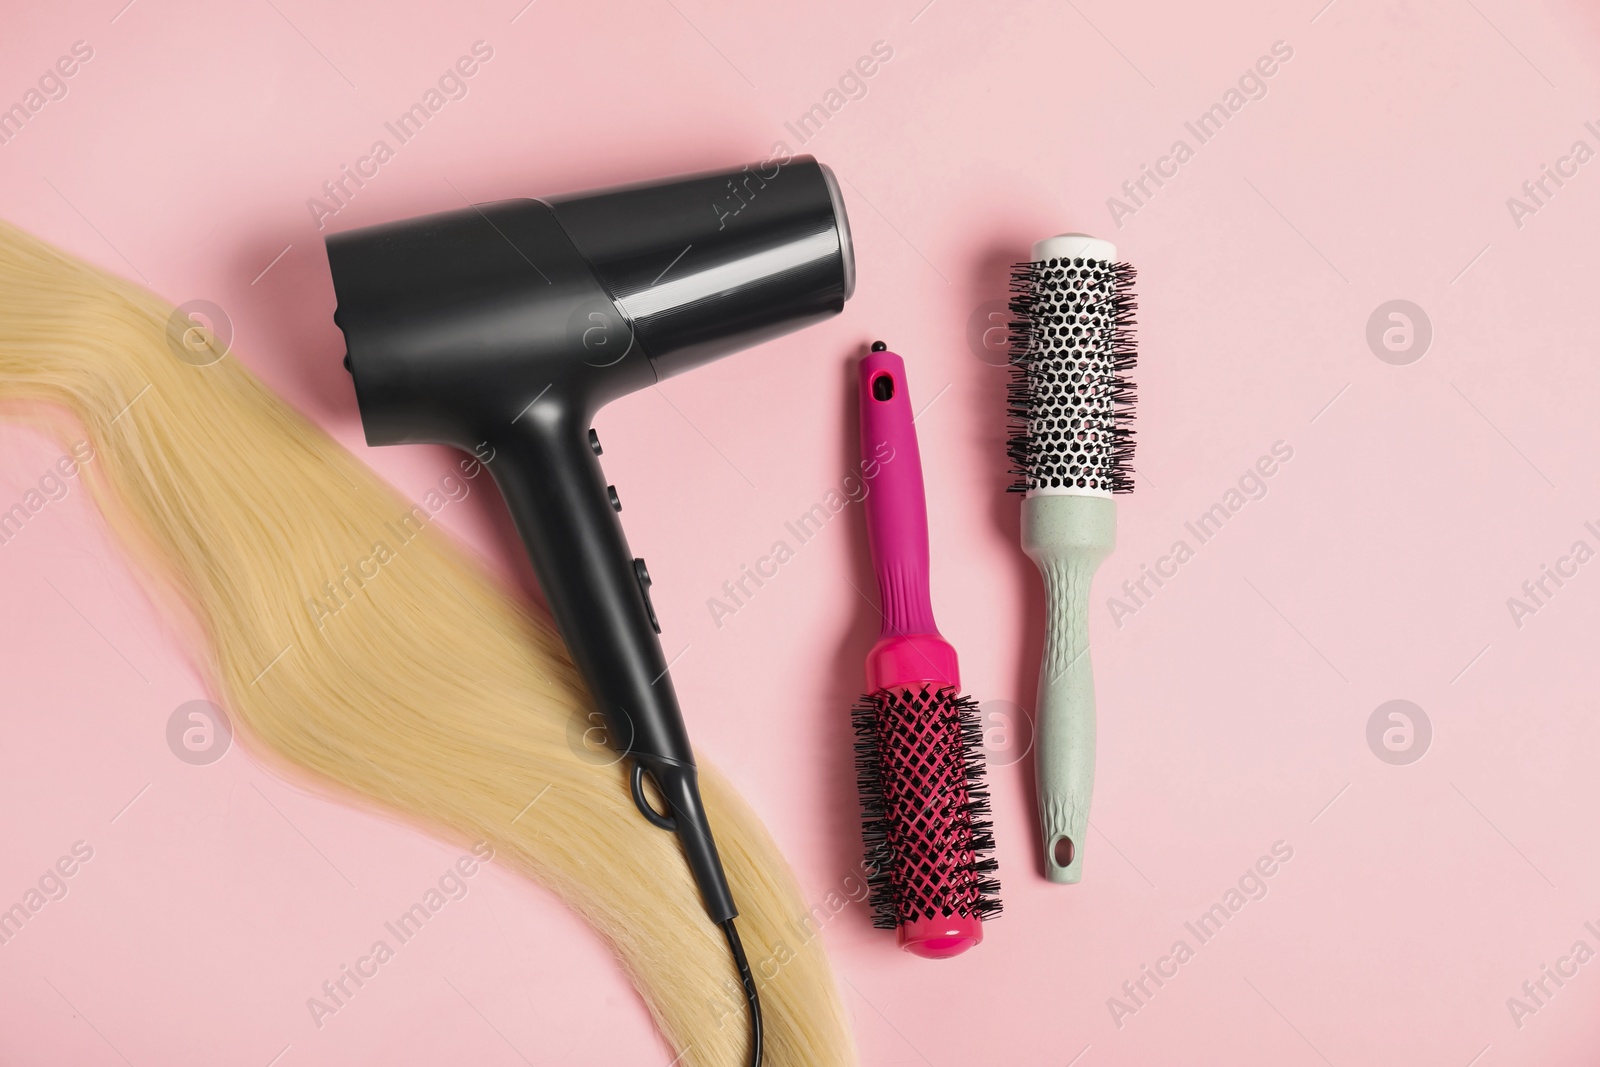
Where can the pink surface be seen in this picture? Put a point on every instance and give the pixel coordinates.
(1377, 912)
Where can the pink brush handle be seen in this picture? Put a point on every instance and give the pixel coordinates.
(897, 510)
(896, 506)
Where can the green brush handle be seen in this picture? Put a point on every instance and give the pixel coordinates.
(1067, 536)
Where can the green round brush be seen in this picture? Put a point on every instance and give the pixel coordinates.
(1071, 403)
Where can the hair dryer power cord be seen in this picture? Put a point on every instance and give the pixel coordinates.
(750, 994)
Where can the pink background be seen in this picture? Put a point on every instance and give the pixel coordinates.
(1234, 704)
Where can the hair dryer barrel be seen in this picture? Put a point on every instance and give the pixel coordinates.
(707, 265)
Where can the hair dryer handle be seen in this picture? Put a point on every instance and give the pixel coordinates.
(897, 510)
(557, 496)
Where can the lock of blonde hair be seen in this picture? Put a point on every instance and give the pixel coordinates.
(433, 694)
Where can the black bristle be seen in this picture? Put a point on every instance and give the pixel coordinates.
(874, 835)
(886, 724)
(1097, 403)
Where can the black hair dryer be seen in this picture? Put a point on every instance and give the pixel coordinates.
(502, 328)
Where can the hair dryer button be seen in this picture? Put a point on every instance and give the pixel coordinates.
(594, 443)
(616, 504)
(641, 573)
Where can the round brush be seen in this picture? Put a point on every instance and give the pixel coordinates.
(918, 757)
(1070, 403)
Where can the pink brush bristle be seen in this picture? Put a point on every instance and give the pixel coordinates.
(920, 772)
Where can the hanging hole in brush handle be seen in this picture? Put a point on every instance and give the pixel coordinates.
(642, 802)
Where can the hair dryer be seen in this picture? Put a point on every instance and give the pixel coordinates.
(502, 328)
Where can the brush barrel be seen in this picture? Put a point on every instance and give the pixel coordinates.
(911, 664)
(923, 763)
(1066, 536)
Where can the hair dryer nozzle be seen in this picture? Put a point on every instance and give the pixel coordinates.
(706, 265)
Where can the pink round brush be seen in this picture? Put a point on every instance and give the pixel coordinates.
(920, 767)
